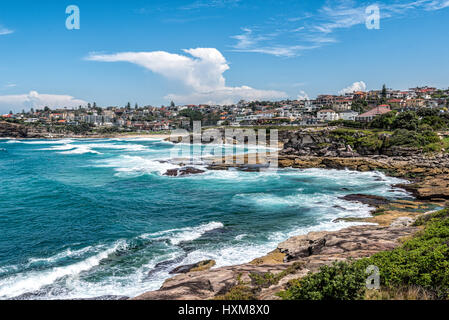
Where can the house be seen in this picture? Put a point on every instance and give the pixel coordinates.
(309, 121)
(348, 115)
(370, 115)
(327, 115)
(342, 105)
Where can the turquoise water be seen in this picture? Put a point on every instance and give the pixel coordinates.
(89, 218)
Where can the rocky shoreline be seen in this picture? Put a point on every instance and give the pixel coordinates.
(391, 221)
(297, 256)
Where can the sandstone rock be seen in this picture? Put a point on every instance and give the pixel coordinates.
(366, 199)
(312, 251)
(200, 266)
(403, 222)
(183, 172)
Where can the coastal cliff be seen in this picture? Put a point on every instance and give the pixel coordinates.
(293, 259)
(12, 130)
(298, 256)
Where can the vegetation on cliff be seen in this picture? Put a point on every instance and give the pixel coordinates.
(405, 129)
(421, 265)
(378, 141)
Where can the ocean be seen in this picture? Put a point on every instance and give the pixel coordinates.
(89, 218)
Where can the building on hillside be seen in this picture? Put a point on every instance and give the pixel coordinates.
(370, 115)
(327, 115)
(348, 115)
(342, 105)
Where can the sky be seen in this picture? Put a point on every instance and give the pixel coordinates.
(216, 51)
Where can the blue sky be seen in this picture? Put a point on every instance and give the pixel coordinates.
(219, 51)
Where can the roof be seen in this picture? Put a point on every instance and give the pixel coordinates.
(326, 111)
(375, 112)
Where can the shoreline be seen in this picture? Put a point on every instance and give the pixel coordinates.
(114, 136)
(428, 179)
(389, 223)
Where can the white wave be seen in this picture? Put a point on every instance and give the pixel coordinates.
(127, 147)
(241, 236)
(63, 147)
(176, 236)
(32, 281)
(61, 141)
(68, 253)
(81, 149)
(326, 225)
(138, 139)
(136, 165)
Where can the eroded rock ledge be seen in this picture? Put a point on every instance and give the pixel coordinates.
(429, 175)
(311, 252)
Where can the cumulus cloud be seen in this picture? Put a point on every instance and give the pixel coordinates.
(37, 100)
(201, 73)
(5, 31)
(303, 95)
(227, 95)
(356, 86)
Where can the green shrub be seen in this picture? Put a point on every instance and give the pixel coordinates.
(422, 261)
(384, 121)
(239, 292)
(341, 281)
(366, 140)
(406, 120)
(427, 140)
(268, 279)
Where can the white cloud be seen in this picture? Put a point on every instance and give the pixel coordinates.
(318, 29)
(37, 100)
(303, 95)
(437, 5)
(249, 42)
(356, 86)
(199, 4)
(201, 73)
(227, 95)
(5, 31)
(9, 85)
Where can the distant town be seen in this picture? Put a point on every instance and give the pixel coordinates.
(356, 106)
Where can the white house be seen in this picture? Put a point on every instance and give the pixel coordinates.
(348, 115)
(327, 115)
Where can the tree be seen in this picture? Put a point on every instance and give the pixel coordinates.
(192, 115)
(384, 91)
(172, 104)
(128, 106)
(384, 121)
(384, 94)
(406, 120)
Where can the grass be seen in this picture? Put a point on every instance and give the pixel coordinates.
(250, 290)
(445, 142)
(418, 269)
